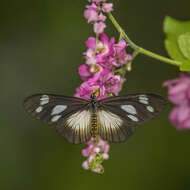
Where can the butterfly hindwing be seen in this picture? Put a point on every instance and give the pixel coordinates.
(75, 128)
(112, 127)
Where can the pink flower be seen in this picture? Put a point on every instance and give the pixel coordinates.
(99, 27)
(91, 15)
(179, 94)
(107, 7)
(101, 17)
(90, 57)
(98, 1)
(98, 170)
(84, 72)
(179, 89)
(104, 46)
(121, 56)
(93, 6)
(180, 116)
(87, 88)
(85, 165)
(96, 153)
(113, 83)
(91, 72)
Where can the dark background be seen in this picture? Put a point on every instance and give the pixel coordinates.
(41, 46)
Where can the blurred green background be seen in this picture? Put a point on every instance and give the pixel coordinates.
(41, 46)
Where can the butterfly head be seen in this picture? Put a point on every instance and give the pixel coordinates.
(93, 96)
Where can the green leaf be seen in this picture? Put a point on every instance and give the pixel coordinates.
(173, 50)
(173, 30)
(185, 66)
(184, 44)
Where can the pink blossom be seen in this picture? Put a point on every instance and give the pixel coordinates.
(107, 7)
(90, 57)
(101, 17)
(91, 15)
(91, 43)
(85, 165)
(93, 6)
(88, 87)
(179, 89)
(98, 1)
(99, 27)
(104, 47)
(113, 83)
(180, 116)
(120, 53)
(91, 72)
(98, 170)
(179, 94)
(96, 153)
(84, 72)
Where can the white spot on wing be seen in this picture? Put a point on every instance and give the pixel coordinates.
(44, 100)
(39, 109)
(58, 109)
(129, 109)
(109, 120)
(150, 108)
(143, 101)
(44, 97)
(143, 97)
(133, 118)
(55, 118)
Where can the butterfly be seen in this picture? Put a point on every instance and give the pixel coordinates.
(114, 119)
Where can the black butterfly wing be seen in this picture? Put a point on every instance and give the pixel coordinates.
(127, 112)
(112, 127)
(71, 115)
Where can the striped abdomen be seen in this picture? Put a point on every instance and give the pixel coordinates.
(94, 125)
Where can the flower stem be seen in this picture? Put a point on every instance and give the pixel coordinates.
(138, 48)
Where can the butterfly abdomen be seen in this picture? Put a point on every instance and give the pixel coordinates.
(94, 125)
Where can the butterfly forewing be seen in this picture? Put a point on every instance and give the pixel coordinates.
(135, 108)
(71, 115)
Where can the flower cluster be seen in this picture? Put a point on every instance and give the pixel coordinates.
(179, 94)
(103, 58)
(96, 152)
(94, 13)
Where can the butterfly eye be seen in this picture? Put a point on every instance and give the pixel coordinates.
(93, 96)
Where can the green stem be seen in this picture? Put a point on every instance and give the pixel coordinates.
(138, 48)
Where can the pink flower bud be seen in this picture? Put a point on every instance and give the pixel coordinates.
(85, 165)
(91, 15)
(99, 27)
(107, 7)
(102, 17)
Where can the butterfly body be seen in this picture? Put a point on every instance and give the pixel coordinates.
(77, 120)
(94, 121)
